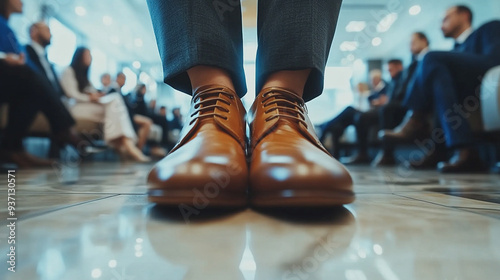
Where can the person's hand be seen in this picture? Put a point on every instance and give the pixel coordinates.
(382, 100)
(94, 97)
(14, 59)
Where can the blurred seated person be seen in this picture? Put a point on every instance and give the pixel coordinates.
(37, 55)
(177, 121)
(379, 89)
(361, 100)
(27, 93)
(141, 108)
(446, 84)
(364, 120)
(142, 124)
(163, 111)
(152, 106)
(119, 83)
(95, 106)
(391, 114)
(105, 83)
(175, 125)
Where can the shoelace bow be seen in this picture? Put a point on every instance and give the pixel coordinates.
(206, 103)
(288, 105)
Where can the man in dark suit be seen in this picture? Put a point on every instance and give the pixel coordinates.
(37, 55)
(391, 114)
(448, 83)
(26, 93)
(364, 120)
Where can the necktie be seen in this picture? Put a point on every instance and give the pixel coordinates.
(50, 72)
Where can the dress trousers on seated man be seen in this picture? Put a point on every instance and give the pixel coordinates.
(448, 83)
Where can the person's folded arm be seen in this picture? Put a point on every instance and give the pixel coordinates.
(13, 59)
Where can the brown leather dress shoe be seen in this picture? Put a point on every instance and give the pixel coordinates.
(24, 160)
(289, 166)
(463, 161)
(410, 129)
(429, 161)
(207, 167)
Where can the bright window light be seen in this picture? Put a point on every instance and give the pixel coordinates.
(385, 24)
(80, 11)
(349, 46)
(131, 80)
(249, 52)
(112, 263)
(377, 41)
(96, 273)
(107, 20)
(355, 26)
(99, 65)
(63, 44)
(152, 87)
(137, 64)
(115, 39)
(415, 10)
(138, 42)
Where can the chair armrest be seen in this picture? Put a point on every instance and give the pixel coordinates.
(490, 99)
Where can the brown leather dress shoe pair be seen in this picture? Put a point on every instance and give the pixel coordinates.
(282, 164)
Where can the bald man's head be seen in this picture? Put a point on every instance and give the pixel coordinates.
(40, 33)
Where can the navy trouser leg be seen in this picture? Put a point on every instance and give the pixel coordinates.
(27, 94)
(199, 32)
(391, 115)
(448, 82)
(294, 35)
(338, 124)
(363, 122)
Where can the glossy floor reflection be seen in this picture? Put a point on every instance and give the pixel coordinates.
(96, 223)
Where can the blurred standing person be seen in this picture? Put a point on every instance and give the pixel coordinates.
(95, 106)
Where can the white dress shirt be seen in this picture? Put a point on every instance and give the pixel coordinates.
(463, 37)
(421, 55)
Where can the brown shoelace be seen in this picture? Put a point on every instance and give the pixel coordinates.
(206, 103)
(289, 106)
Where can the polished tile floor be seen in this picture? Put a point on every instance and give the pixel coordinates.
(94, 222)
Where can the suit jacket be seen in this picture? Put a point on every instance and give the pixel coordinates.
(377, 94)
(139, 105)
(404, 82)
(394, 88)
(484, 41)
(35, 63)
